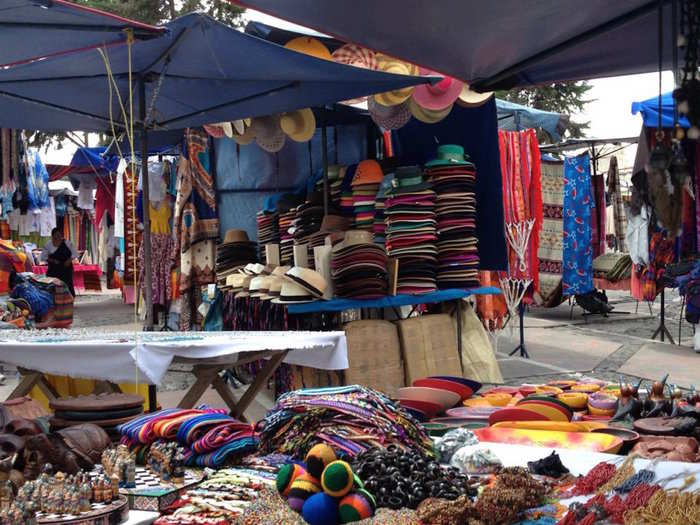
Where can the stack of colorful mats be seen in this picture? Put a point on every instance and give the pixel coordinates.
(410, 231)
(209, 436)
(350, 418)
(454, 180)
(365, 185)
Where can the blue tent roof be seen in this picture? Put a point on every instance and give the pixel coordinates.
(514, 117)
(30, 29)
(94, 158)
(200, 71)
(650, 112)
(495, 45)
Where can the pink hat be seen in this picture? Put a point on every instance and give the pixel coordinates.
(389, 117)
(214, 130)
(437, 96)
(357, 56)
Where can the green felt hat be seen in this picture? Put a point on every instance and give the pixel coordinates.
(449, 155)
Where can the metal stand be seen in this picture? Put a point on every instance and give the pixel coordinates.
(662, 331)
(521, 346)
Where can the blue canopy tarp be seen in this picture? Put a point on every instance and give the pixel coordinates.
(650, 112)
(95, 159)
(495, 45)
(200, 71)
(515, 117)
(30, 29)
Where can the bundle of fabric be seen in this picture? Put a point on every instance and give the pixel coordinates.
(454, 180)
(39, 300)
(411, 233)
(379, 226)
(612, 266)
(359, 267)
(62, 313)
(209, 436)
(550, 250)
(365, 185)
(268, 230)
(351, 419)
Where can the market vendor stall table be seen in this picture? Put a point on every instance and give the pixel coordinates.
(112, 358)
(80, 272)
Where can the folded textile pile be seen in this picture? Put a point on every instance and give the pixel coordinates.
(268, 230)
(351, 419)
(411, 235)
(209, 436)
(359, 267)
(454, 180)
(612, 266)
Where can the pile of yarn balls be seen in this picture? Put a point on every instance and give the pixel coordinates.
(324, 490)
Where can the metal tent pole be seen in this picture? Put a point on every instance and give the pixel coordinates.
(148, 278)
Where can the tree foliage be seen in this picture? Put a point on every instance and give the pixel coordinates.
(567, 98)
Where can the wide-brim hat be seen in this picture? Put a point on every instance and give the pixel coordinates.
(280, 271)
(259, 286)
(354, 237)
(332, 223)
(389, 117)
(427, 116)
(253, 269)
(356, 56)
(268, 133)
(449, 155)
(215, 130)
(299, 125)
(235, 235)
(469, 98)
(238, 280)
(309, 46)
(311, 281)
(293, 293)
(368, 171)
(247, 136)
(397, 67)
(439, 95)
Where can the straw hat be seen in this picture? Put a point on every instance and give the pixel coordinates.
(268, 133)
(356, 56)
(215, 130)
(313, 282)
(397, 67)
(233, 236)
(275, 287)
(247, 136)
(299, 125)
(470, 98)
(309, 46)
(448, 155)
(259, 286)
(280, 271)
(254, 269)
(426, 115)
(389, 117)
(238, 280)
(368, 172)
(291, 293)
(437, 96)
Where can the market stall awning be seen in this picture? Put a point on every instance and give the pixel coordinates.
(515, 117)
(31, 29)
(199, 72)
(495, 45)
(650, 112)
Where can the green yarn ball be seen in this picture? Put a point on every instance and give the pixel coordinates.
(286, 476)
(318, 458)
(337, 479)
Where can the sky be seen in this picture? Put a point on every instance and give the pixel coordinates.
(608, 112)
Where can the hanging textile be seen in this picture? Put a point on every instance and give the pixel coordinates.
(104, 198)
(161, 263)
(131, 240)
(551, 236)
(37, 181)
(522, 200)
(618, 205)
(598, 221)
(579, 206)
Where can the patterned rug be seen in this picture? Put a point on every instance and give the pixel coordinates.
(550, 249)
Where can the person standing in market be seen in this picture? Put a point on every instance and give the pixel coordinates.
(59, 254)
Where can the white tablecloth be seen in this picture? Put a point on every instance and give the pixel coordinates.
(113, 357)
(139, 517)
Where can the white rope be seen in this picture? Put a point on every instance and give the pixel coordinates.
(513, 292)
(518, 235)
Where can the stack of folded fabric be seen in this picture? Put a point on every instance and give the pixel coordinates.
(454, 180)
(379, 226)
(359, 267)
(410, 231)
(234, 253)
(365, 185)
(210, 437)
(268, 230)
(612, 267)
(286, 238)
(351, 419)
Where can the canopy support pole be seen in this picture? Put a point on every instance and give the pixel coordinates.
(148, 278)
(324, 150)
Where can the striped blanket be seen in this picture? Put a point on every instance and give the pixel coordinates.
(61, 316)
(550, 248)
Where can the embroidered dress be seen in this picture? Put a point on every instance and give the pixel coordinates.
(579, 206)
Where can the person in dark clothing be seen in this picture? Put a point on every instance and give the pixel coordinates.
(59, 253)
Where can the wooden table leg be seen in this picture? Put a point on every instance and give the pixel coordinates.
(25, 385)
(226, 394)
(205, 378)
(260, 380)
